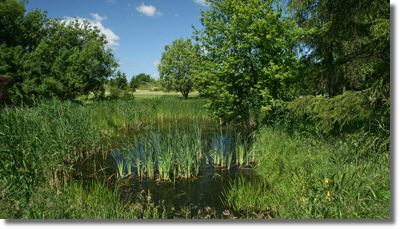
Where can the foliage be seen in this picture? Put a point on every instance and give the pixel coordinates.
(247, 49)
(143, 78)
(52, 57)
(345, 51)
(349, 114)
(178, 66)
(119, 80)
(119, 87)
(134, 84)
(4, 97)
(348, 45)
(15, 24)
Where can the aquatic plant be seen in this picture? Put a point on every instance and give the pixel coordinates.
(129, 164)
(120, 164)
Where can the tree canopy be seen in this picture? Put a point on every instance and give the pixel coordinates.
(178, 66)
(51, 57)
(248, 50)
(143, 78)
(348, 44)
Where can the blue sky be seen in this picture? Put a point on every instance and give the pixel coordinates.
(137, 30)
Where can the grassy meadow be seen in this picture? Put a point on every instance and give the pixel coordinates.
(46, 146)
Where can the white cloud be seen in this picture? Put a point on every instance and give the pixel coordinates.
(110, 35)
(111, 1)
(201, 2)
(132, 64)
(154, 75)
(155, 63)
(176, 15)
(149, 10)
(97, 17)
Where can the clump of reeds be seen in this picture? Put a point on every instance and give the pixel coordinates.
(179, 151)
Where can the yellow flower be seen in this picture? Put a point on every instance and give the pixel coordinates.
(304, 199)
(328, 196)
(326, 181)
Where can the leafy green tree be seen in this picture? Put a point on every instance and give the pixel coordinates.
(143, 78)
(134, 83)
(248, 52)
(178, 66)
(51, 57)
(10, 28)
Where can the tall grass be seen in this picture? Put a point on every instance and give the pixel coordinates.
(250, 197)
(313, 177)
(46, 141)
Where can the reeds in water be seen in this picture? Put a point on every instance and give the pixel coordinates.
(179, 151)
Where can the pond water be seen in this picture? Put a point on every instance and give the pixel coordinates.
(204, 159)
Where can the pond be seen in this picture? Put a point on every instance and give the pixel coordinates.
(184, 164)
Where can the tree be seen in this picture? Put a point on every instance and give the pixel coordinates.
(348, 59)
(134, 83)
(51, 57)
(178, 66)
(11, 28)
(143, 78)
(348, 43)
(119, 87)
(120, 80)
(247, 48)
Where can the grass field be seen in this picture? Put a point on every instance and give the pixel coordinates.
(142, 94)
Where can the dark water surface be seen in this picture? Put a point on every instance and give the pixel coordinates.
(202, 191)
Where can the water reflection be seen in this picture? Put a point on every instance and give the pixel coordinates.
(202, 188)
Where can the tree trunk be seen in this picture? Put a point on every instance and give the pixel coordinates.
(185, 94)
(344, 76)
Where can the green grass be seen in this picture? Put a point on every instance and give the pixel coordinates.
(313, 178)
(73, 200)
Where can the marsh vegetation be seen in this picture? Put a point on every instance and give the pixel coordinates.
(149, 159)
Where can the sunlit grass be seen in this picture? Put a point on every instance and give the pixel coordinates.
(321, 178)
